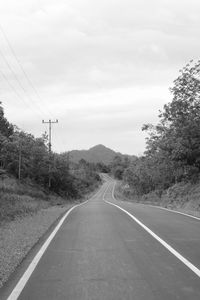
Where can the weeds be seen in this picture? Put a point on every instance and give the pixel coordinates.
(18, 200)
(11, 186)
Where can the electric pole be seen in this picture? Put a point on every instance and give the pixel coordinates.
(20, 160)
(50, 123)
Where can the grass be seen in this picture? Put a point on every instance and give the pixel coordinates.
(21, 199)
(13, 206)
(184, 197)
(18, 199)
(12, 186)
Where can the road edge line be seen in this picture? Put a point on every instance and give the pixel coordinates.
(161, 241)
(164, 208)
(174, 211)
(31, 267)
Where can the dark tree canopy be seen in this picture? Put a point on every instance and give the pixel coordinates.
(6, 129)
(35, 162)
(173, 145)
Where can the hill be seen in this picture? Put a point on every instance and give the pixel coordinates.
(98, 153)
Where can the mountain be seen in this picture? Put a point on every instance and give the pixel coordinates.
(98, 153)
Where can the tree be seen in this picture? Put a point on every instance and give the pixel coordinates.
(6, 129)
(173, 145)
(119, 165)
(22, 151)
(177, 136)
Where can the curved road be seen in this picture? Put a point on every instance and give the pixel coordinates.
(100, 252)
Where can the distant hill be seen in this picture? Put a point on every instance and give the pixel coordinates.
(98, 153)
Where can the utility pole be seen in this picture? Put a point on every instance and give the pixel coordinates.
(50, 123)
(20, 161)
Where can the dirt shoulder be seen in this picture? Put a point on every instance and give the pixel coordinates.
(20, 235)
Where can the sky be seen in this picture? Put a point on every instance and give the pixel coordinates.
(102, 68)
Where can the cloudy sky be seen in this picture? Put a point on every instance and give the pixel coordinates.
(103, 68)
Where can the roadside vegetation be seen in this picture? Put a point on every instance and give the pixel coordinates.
(28, 206)
(19, 200)
(169, 171)
(24, 173)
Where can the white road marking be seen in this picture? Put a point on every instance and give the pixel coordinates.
(113, 191)
(27, 274)
(175, 211)
(164, 208)
(106, 191)
(166, 245)
(97, 193)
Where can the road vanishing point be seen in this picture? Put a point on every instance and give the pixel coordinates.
(110, 249)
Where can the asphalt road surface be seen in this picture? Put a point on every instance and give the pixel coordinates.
(101, 252)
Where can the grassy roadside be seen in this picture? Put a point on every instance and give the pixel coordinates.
(26, 213)
(182, 197)
(18, 200)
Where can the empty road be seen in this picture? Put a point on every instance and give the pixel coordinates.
(101, 252)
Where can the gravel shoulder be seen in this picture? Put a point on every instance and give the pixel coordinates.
(19, 236)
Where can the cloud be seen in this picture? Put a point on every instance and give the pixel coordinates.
(105, 65)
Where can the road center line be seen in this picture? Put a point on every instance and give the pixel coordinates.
(161, 241)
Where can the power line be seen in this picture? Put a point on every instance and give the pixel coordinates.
(16, 78)
(12, 51)
(49, 122)
(20, 65)
(50, 156)
(12, 87)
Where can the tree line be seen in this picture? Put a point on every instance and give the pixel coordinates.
(173, 145)
(25, 156)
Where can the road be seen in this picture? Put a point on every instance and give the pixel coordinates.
(100, 253)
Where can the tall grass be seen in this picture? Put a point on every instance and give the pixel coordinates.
(13, 206)
(18, 200)
(12, 186)
(181, 196)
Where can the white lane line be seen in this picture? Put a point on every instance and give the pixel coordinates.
(175, 211)
(96, 194)
(101, 190)
(106, 189)
(27, 274)
(166, 245)
(113, 190)
(160, 207)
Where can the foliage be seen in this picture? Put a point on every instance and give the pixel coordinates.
(102, 168)
(119, 165)
(27, 158)
(173, 146)
(6, 129)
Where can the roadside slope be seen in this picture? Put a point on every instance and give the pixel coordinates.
(182, 197)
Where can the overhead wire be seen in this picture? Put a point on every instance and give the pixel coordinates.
(17, 80)
(27, 103)
(12, 88)
(21, 67)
